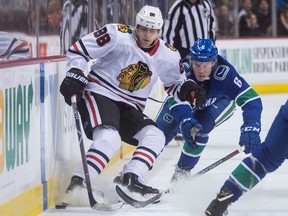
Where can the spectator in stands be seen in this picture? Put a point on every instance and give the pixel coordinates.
(264, 17)
(54, 16)
(74, 22)
(12, 48)
(246, 7)
(225, 21)
(243, 17)
(281, 4)
(283, 22)
(254, 29)
(253, 26)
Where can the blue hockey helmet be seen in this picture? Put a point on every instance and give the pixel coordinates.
(203, 50)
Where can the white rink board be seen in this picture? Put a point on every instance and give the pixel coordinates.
(259, 61)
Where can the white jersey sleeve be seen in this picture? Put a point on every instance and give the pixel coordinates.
(172, 74)
(12, 48)
(91, 46)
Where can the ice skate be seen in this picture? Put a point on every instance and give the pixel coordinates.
(76, 193)
(131, 181)
(76, 181)
(180, 174)
(118, 179)
(218, 207)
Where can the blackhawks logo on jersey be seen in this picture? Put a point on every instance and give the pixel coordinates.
(134, 77)
(124, 28)
(170, 47)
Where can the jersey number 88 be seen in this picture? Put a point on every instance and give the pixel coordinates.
(102, 37)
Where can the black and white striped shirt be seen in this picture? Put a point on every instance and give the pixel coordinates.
(186, 22)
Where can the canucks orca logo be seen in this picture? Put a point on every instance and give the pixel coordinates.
(221, 72)
(168, 118)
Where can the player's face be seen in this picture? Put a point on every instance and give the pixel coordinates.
(202, 70)
(146, 36)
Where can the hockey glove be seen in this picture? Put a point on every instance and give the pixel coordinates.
(73, 84)
(193, 93)
(189, 127)
(250, 136)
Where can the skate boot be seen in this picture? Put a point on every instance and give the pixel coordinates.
(180, 174)
(131, 181)
(218, 207)
(76, 181)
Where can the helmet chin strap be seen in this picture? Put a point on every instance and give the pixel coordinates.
(135, 35)
(153, 43)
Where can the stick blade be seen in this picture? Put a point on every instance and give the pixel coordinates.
(137, 203)
(108, 206)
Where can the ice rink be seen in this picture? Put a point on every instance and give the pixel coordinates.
(269, 198)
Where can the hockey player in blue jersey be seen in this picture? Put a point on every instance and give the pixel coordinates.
(225, 89)
(266, 158)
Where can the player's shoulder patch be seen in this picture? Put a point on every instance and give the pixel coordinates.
(170, 47)
(124, 28)
(221, 72)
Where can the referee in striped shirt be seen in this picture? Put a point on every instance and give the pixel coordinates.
(186, 21)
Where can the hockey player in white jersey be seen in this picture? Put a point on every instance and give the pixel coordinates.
(111, 99)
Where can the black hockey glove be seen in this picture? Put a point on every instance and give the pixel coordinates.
(73, 84)
(193, 93)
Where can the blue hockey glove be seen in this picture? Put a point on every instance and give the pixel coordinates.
(73, 84)
(250, 136)
(189, 127)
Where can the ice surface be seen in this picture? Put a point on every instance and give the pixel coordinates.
(268, 198)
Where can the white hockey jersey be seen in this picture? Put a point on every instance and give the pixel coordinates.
(121, 70)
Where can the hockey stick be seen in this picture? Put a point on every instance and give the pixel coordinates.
(139, 203)
(93, 203)
(158, 101)
(220, 161)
